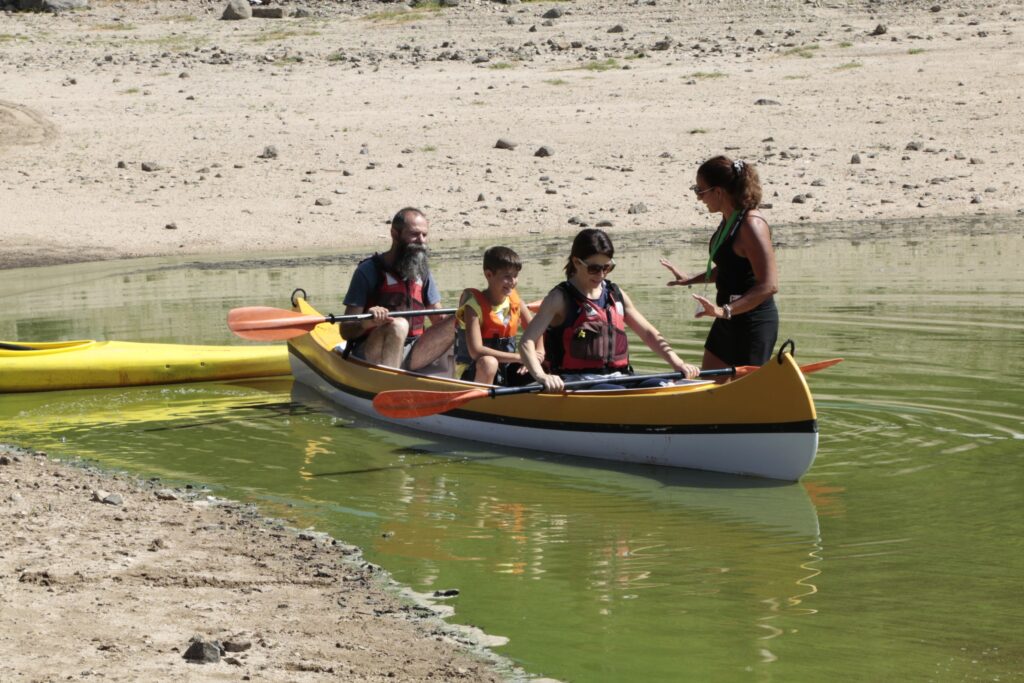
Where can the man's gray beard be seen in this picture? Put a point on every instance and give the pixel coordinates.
(412, 262)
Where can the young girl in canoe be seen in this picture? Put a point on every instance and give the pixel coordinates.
(488, 321)
(583, 323)
(746, 322)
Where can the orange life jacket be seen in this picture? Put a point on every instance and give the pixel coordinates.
(496, 333)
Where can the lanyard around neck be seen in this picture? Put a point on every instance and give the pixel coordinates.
(718, 241)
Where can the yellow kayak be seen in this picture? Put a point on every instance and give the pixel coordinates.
(86, 364)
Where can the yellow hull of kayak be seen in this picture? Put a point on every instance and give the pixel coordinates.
(87, 364)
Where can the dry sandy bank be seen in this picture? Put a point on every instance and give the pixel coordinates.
(371, 108)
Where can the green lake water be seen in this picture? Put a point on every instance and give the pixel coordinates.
(899, 556)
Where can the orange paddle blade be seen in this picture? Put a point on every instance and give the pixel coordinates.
(405, 404)
(263, 323)
(820, 365)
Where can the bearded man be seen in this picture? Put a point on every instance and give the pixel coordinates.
(398, 280)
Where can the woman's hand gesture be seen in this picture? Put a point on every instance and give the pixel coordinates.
(680, 277)
(708, 309)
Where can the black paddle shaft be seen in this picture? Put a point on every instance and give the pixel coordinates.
(331, 318)
(628, 379)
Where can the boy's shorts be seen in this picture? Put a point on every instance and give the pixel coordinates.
(507, 375)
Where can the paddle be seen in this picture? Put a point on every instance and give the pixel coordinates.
(820, 365)
(407, 403)
(263, 323)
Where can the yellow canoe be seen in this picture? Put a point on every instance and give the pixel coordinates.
(86, 364)
(763, 424)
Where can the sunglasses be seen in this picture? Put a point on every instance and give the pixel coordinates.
(699, 192)
(595, 268)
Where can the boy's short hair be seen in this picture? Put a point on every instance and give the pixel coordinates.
(497, 258)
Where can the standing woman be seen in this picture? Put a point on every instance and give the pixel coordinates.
(741, 263)
(583, 323)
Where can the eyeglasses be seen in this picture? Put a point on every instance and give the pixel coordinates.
(699, 192)
(595, 268)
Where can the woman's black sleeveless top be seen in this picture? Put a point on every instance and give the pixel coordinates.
(735, 274)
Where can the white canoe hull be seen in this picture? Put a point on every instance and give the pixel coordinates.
(773, 455)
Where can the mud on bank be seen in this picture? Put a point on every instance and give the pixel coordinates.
(103, 575)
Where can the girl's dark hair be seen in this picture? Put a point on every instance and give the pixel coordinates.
(738, 178)
(498, 258)
(587, 243)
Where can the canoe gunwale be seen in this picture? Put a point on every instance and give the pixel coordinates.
(799, 427)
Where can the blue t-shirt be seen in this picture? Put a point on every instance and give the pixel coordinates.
(364, 282)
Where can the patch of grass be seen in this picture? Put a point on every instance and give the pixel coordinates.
(181, 17)
(635, 55)
(848, 66)
(805, 51)
(556, 81)
(478, 103)
(113, 26)
(281, 34)
(707, 74)
(392, 16)
(285, 61)
(915, 50)
(796, 78)
(601, 65)
(698, 131)
(845, 43)
(336, 57)
(131, 91)
(501, 65)
(10, 37)
(428, 148)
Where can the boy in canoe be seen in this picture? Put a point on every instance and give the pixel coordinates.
(487, 323)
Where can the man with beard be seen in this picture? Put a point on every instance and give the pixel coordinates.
(398, 280)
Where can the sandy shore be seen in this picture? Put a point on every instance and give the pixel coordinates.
(117, 589)
(372, 106)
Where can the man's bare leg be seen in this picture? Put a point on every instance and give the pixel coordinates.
(432, 344)
(385, 344)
